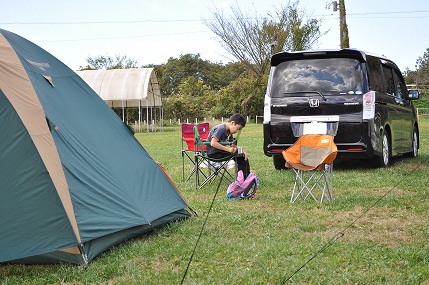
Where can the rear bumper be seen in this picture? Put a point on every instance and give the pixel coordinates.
(346, 150)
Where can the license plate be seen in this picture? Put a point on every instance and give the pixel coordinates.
(315, 128)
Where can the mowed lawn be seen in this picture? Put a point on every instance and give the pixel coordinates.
(375, 231)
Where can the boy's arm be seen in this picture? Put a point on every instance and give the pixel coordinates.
(215, 143)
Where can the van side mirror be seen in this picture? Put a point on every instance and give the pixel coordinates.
(413, 94)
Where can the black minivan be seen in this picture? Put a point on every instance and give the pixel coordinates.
(361, 96)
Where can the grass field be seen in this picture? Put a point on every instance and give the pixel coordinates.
(381, 213)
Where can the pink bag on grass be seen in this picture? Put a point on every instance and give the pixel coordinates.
(241, 188)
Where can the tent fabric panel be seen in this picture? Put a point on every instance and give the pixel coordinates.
(29, 204)
(17, 88)
(97, 246)
(110, 176)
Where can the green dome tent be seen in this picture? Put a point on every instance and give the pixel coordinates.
(74, 181)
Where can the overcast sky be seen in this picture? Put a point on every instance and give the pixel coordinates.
(154, 31)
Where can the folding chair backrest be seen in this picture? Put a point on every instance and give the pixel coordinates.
(198, 143)
(318, 149)
(204, 130)
(188, 136)
(311, 151)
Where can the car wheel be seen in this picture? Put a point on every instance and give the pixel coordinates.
(279, 162)
(415, 145)
(384, 159)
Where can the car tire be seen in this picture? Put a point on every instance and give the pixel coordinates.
(386, 154)
(279, 162)
(415, 145)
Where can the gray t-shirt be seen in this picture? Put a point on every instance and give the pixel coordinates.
(220, 133)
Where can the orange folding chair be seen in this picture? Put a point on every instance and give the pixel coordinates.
(311, 158)
(188, 146)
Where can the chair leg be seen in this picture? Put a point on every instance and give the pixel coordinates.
(315, 180)
(302, 183)
(196, 170)
(183, 167)
(295, 185)
(183, 161)
(191, 160)
(307, 182)
(328, 186)
(216, 172)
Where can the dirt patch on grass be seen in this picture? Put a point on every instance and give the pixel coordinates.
(386, 226)
(159, 264)
(414, 166)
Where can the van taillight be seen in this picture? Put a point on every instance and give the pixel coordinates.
(355, 149)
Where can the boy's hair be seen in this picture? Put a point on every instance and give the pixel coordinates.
(238, 119)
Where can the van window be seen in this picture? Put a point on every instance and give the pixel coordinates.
(325, 75)
(388, 80)
(375, 75)
(400, 85)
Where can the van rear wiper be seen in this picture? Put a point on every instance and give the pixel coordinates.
(317, 92)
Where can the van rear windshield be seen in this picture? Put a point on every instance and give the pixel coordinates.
(330, 76)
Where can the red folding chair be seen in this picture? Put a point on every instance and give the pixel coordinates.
(188, 146)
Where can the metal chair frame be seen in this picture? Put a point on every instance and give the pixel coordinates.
(213, 169)
(309, 181)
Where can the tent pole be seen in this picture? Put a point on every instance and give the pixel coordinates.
(84, 255)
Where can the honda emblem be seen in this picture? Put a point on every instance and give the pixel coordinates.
(314, 103)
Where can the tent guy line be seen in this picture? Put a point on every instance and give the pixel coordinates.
(201, 231)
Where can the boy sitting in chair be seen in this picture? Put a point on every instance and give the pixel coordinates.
(223, 133)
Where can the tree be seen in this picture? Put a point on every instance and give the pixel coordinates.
(108, 62)
(216, 76)
(243, 95)
(176, 70)
(252, 39)
(189, 86)
(422, 69)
